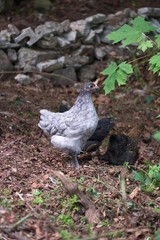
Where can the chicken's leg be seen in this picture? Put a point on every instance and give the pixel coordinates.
(75, 162)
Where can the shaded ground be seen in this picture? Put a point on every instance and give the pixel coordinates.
(31, 194)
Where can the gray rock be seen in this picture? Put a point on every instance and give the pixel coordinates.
(29, 58)
(63, 42)
(86, 50)
(5, 36)
(23, 79)
(103, 35)
(5, 63)
(156, 24)
(52, 27)
(65, 26)
(87, 73)
(12, 55)
(119, 53)
(99, 29)
(96, 19)
(116, 20)
(120, 18)
(81, 26)
(48, 42)
(71, 36)
(28, 33)
(14, 31)
(76, 61)
(149, 12)
(64, 77)
(100, 53)
(50, 65)
(91, 38)
(44, 29)
(6, 45)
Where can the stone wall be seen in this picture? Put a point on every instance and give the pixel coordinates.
(68, 51)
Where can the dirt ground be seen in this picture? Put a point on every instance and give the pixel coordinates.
(33, 202)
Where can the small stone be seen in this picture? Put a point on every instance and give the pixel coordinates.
(5, 36)
(12, 55)
(100, 53)
(5, 63)
(76, 61)
(87, 73)
(48, 42)
(149, 12)
(147, 137)
(23, 79)
(91, 38)
(63, 42)
(96, 19)
(13, 30)
(86, 50)
(81, 26)
(64, 77)
(71, 36)
(51, 65)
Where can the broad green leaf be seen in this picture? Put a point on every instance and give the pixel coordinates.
(110, 69)
(126, 67)
(157, 136)
(134, 37)
(145, 45)
(119, 35)
(155, 63)
(139, 176)
(109, 83)
(158, 39)
(155, 60)
(121, 77)
(141, 25)
(131, 34)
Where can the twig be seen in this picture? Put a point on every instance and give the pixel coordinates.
(20, 196)
(36, 72)
(91, 214)
(112, 234)
(20, 221)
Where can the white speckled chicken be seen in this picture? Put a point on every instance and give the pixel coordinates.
(69, 131)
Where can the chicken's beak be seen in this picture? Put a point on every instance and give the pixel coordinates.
(96, 84)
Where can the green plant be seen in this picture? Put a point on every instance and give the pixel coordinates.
(157, 234)
(127, 35)
(37, 197)
(69, 207)
(66, 235)
(157, 136)
(149, 179)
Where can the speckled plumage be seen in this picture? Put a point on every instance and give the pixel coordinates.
(70, 130)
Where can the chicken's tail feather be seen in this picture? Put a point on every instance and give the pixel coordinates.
(46, 119)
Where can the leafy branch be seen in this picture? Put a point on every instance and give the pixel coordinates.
(134, 34)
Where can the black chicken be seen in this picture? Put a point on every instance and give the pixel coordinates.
(123, 148)
(103, 128)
